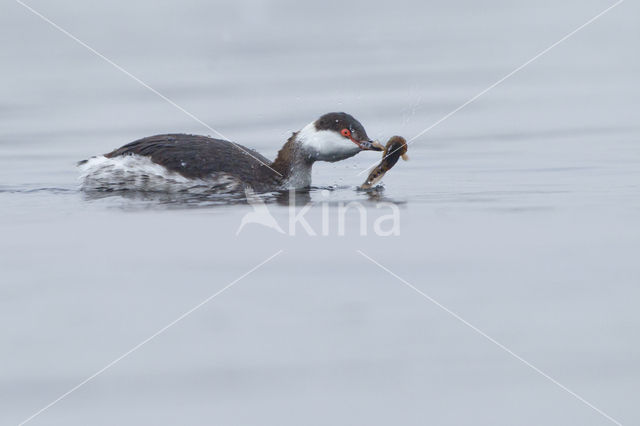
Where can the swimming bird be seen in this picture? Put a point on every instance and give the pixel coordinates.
(201, 164)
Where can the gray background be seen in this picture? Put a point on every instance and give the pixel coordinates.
(520, 213)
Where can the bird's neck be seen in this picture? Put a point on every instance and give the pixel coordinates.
(294, 164)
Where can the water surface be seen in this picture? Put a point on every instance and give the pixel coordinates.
(520, 213)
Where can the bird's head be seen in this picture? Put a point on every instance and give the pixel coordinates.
(334, 137)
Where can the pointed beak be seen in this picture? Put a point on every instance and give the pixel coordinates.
(370, 146)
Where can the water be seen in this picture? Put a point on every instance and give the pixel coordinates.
(519, 213)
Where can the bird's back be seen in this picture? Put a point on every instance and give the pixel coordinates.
(201, 157)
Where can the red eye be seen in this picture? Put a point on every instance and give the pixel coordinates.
(346, 133)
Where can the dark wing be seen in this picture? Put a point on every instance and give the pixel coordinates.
(196, 156)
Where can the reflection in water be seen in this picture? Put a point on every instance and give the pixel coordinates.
(298, 197)
(375, 194)
(333, 196)
(184, 200)
(166, 199)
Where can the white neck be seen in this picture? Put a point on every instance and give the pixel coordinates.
(300, 175)
(310, 145)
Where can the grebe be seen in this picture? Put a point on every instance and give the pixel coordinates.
(191, 163)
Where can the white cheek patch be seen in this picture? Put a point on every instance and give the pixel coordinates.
(327, 144)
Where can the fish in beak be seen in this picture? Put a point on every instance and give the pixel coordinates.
(370, 146)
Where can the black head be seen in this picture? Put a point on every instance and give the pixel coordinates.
(348, 127)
